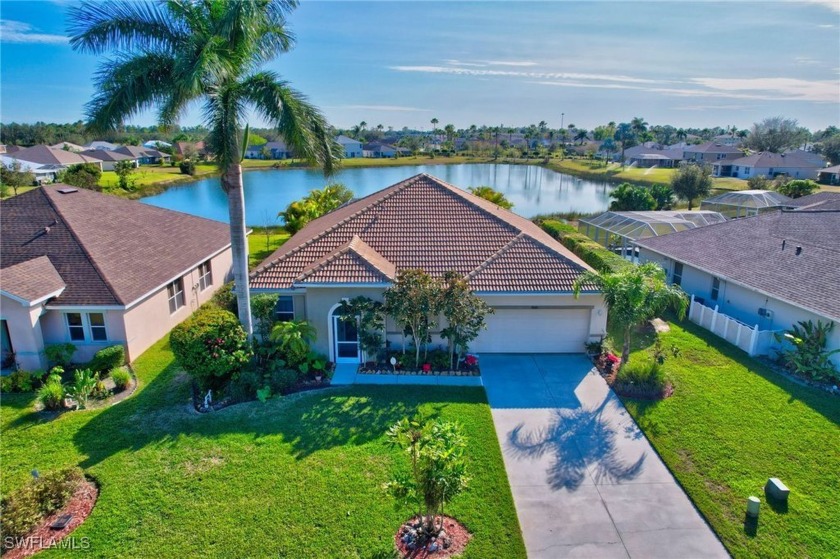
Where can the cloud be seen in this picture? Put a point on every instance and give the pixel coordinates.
(711, 107)
(19, 32)
(511, 63)
(830, 4)
(386, 108)
(518, 74)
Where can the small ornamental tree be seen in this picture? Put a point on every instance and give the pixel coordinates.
(314, 205)
(125, 170)
(84, 175)
(414, 302)
(633, 295)
(262, 308)
(663, 195)
(438, 468)
(627, 197)
(797, 188)
(492, 195)
(211, 346)
(14, 176)
(692, 181)
(293, 339)
(464, 313)
(370, 317)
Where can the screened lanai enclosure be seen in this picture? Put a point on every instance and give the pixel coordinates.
(745, 203)
(617, 230)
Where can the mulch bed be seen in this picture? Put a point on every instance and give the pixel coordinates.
(456, 535)
(41, 537)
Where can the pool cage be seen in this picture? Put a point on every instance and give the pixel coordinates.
(746, 203)
(618, 230)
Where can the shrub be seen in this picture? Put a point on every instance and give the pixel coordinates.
(22, 381)
(187, 167)
(108, 358)
(51, 395)
(557, 229)
(121, 378)
(644, 379)
(244, 387)
(60, 354)
(585, 248)
(225, 298)
(24, 508)
(83, 175)
(283, 381)
(100, 391)
(293, 338)
(83, 386)
(55, 488)
(806, 355)
(211, 346)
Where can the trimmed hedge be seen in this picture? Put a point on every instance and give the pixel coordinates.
(108, 358)
(588, 250)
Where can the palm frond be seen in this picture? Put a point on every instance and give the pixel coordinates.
(98, 27)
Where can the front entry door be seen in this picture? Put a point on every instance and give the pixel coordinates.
(346, 340)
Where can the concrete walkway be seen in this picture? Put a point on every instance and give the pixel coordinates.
(585, 480)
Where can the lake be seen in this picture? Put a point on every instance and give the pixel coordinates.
(532, 189)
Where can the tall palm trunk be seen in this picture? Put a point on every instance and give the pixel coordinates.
(232, 184)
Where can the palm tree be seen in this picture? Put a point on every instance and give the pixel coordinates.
(638, 125)
(435, 122)
(633, 296)
(170, 54)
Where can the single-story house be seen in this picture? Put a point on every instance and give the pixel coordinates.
(100, 144)
(727, 140)
(183, 148)
(144, 155)
(425, 223)
(829, 175)
(156, 144)
(771, 270)
(95, 270)
(768, 164)
(269, 150)
(68, 146)
(352, 148)
(378, 149)
(45, 155)
(110, 159)
(43, 173)
(710, 152)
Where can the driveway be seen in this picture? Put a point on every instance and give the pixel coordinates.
(585, 480)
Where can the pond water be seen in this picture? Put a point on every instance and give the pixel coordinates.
(532, 189)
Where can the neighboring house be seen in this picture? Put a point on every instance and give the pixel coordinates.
(727, 140)
(711, 152)
(423, 222)
(69, 146)
(45, 155)
(746, 203)
(793, 164)
(109, 159)
(101, 145)
(352, 148)
(144, 155)
(772, 270)
(269, 150)
(43, 173)
(829, 175)
(377, 150)
(818, 201)
(96, 270)
(185, 147)
(651, 154)
(156, 144)
(11, 149)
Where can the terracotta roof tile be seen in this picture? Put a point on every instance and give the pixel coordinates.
(354, 262)
(32, 279)
(425, 223)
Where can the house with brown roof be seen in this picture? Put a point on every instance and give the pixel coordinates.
(45, 155)
(95, 270)
(425, 223)
(109, 159)
(710, 152)
(144, 155)
(795, 164)
(767, 272)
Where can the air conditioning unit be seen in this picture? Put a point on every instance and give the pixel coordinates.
(766, 313)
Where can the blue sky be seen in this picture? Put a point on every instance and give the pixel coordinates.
(512, 63)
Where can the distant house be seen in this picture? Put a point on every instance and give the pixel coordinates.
(793, 164)
(144, 155)
(68, 146)
(45, 155)
(829, 175)
(727, 140)
(269, 150)
(378, 150)
(42, 173)
(352, 148)
(156, 144)
(109, 159)
(711, 152)
(182, 148)
(651, 154)
(96, 270)
(755, 276)
(100, 145)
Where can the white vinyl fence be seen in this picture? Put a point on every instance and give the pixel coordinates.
(749, 338)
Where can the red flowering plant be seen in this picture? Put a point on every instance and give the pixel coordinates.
(427, 367)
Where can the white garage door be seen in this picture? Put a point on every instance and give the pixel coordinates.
(540, 330)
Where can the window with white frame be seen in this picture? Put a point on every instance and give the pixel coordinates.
(205, 276)
(86, 326)
(175, 290)
(676, 278)
(285, 309)
(715, 288)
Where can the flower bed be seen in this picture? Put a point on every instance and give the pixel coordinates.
(436, 364)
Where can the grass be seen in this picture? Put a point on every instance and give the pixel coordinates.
(260, 246)
(731, 424)
(297, 477)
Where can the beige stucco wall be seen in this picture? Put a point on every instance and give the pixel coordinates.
(25, 332)
(54, 326)
(319, 301)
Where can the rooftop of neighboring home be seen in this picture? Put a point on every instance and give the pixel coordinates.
(199, 147)
(831, 170)
(69, 146)
(422, 222)
(793, 256)
(104, 249)
(343, 140)
(820, 201)
(45, 155)
(140, 151)
(99, 144)
(763, 159)
(711, 147)
(105, 155)
(157, 144)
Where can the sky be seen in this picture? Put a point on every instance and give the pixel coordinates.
(511, 63)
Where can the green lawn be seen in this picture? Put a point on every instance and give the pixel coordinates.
(259, 247)
(296, 477)
(731, 424)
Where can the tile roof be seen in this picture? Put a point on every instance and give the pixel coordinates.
(108, 250)
(31, 280)
(760, 252)
(423, 222)
(354, 262)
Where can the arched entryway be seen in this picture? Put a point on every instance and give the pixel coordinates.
(344, 338)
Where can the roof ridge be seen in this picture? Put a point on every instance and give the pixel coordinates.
(343, 250)
(496, 255)
(47, 195)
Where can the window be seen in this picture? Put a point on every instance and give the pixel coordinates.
(677, 275)
(97, 327)
(285, 309)
(715, 289)
(76, 326)
(205, 276)
(176, 295)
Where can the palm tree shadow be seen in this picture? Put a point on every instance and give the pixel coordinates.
(580, 443)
